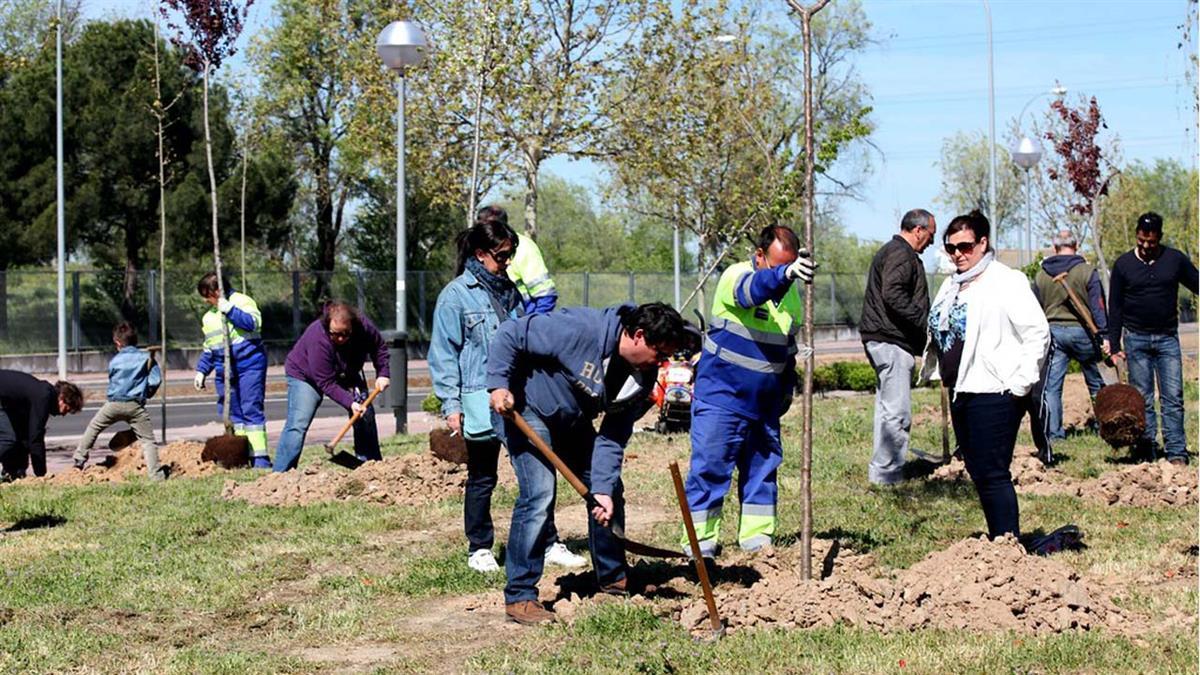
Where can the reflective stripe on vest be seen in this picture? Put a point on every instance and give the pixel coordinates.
(747, 362)
(751, 333)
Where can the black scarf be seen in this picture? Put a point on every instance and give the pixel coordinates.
(502, 292)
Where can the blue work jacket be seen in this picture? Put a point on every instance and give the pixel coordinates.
(555, 364)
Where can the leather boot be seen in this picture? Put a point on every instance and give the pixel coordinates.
(618, 587)
(528, 613)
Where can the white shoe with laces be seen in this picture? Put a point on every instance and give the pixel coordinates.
(483, 561)
(558, 554)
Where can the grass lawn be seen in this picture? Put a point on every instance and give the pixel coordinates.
(141, 577)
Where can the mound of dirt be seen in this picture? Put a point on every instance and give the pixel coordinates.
(1030, 476)
(1158, 484)
(976, 584)
(1121, 412)
(1145, 485)
(409, 480)
(181, 458)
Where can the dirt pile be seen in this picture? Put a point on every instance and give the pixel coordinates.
(1121, 412)
(181, 458)
(408, 480)
(1158, 484)
(1030, 476)
(976, 584)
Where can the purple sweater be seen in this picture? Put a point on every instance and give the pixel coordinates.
(334, 371)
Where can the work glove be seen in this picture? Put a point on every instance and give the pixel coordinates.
(224, 305)
(382, 383)
(803, 351)
(803, 269)
(198, 382)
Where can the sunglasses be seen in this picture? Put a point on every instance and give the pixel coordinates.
(502, 256)
(963, 247)
(339, 334)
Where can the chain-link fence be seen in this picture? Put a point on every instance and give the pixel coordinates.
(96, 300)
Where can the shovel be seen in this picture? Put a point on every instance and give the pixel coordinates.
(341, 457)
(618, 531)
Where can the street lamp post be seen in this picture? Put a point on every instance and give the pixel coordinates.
(59, 198)
(1026, 154)
(401, 45)
(987, 10)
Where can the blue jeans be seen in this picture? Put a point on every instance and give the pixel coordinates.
(303, 401)
(530, 531)
(1069, 342)
(1150, 355)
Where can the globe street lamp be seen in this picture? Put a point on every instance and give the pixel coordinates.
(401, 45)
(1026, 154)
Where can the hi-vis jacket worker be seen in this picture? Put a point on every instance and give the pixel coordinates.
(744, 383)
(249, 371)
(527, 269)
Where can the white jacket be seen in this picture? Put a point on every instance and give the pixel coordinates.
(1007, 334)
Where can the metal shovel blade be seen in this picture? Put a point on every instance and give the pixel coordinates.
(343, 458)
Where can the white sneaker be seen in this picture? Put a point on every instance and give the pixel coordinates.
(558, 554)
(482, 560)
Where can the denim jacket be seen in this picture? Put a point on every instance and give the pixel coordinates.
(464, 322)
(129, 378)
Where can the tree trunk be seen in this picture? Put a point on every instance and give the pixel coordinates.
(162, 238)
(531, 154)
(474, 187)
(245, 157)
(806, 16)
(129, 281)
(326, 233)
(212, 183)
(4, 302)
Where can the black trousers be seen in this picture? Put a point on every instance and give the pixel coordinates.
(482, 458)
(14, 456)
(986, 428)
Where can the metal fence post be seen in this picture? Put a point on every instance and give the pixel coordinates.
(421, 307)
(152, 306)
(296, 305)
(632, 288)
(585, 289)
(76, 338)
(360, 292)
(832, 298)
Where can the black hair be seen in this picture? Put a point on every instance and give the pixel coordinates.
(491, 214)
(486, 235)
(208, 284)
(974, 221)
(126, 334)
(916, 218)
(1150, 223)
(781, 233)
(658, 321)
(69, 394)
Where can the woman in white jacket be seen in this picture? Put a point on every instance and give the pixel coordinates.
(988, 338)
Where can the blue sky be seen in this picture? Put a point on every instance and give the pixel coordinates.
(928, 78)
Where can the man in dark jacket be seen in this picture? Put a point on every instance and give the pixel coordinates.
(328, 361)
(1069, 338)
(559, 372)
(895, 309)
(1143, 299)
(26, 404)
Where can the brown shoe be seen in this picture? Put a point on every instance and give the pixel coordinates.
(528, 613)
(617, 587)
(1178, 461)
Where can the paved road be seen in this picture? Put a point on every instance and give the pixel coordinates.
(189, 413)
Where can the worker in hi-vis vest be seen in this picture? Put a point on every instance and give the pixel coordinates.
(249, 370)
(527, 270)
(744, 383)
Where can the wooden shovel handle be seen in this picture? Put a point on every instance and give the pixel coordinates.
(552, 456)
(353, 418)
(1081, 308)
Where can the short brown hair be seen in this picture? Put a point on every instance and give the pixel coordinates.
(341, 311)
(126, 334)
(208, 284)
(69, 394)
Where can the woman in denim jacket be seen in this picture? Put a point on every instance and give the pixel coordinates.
(469, 310)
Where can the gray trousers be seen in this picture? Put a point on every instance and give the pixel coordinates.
(893, 410)
(132, 413)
